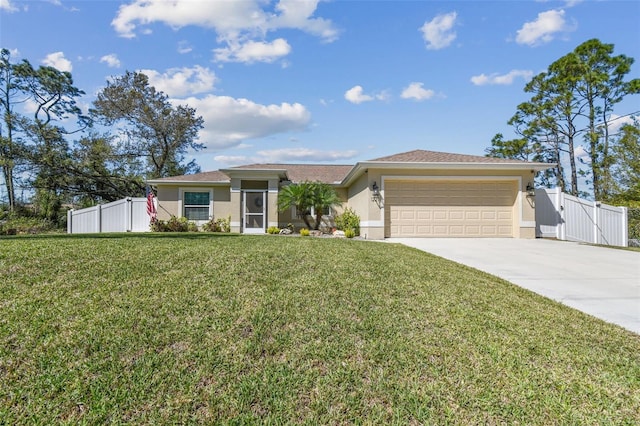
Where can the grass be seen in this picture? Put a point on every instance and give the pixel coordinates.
(202, 328)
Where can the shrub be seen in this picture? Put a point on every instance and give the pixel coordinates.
(13, 224)
(348, 219)
(304, 232)
(224, 224)
(218, 225)
(174, 224)
(273, 230)
(349, 233)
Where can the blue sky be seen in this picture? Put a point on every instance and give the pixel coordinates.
(323, 81)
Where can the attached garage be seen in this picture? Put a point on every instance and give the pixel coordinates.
(450, 208)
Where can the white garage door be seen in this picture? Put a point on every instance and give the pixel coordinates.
(449, 208)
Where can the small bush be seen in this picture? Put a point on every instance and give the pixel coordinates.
(174, 224)
(210, 226)
(349, 233)
(304, 232)
(348, 220)
(13, 224)
(218, 225)
(273, 230)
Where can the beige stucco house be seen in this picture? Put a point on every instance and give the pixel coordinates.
(412, 194)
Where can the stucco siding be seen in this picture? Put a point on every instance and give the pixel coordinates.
(167, 202)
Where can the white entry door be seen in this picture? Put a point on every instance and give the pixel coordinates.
(254, 210)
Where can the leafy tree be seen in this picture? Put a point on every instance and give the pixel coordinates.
(573, 99)
(627, 166)
(517, 149)
(602, 85)
(101, 171)
(10, 96)
(306, 196)
(55, 99)
(156, 129)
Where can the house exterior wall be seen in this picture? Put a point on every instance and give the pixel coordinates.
(371, 227)
(169, 203)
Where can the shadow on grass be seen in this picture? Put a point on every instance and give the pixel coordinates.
(123, 235)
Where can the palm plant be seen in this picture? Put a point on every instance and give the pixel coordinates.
(305, 196)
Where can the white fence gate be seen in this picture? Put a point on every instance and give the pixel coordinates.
(565, 217)
(126, 215)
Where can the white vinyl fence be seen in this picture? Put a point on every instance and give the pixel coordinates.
(565, 217)
(126, 215)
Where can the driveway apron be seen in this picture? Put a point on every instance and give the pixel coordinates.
(600, 281)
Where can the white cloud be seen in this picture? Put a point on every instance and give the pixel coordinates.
(438, 33)
(111, 60)
(616, 122)
(581, 153)
(287, 155)
(298, 14)
(238, 24)
(57, 60)
(233, 160)
(304, 154)
(229, 121)
(6, 5)
(544, 28)
(505, 79)
(417, 92)
(180, 82)
(356, 95)
(253, 51)
(184, 47)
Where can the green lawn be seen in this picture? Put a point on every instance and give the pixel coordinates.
(165, 328)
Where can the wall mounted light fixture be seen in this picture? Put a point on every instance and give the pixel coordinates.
(531, 190)
(375, 192)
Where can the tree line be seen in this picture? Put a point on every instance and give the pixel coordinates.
(63, 155)
(571, 106)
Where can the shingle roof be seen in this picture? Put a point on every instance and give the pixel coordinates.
(423, 156)
(330, 173)
(327, 173)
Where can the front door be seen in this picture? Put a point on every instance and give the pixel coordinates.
(254, 209)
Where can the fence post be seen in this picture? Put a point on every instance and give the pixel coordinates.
(70, 221)
(596, 231)
(128, 212)
(99, 217)
(625, 227)
(560, 206)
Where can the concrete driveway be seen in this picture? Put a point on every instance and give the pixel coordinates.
(603, 282)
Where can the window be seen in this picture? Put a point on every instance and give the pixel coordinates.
(196, 205)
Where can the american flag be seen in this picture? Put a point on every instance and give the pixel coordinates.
(151, 206)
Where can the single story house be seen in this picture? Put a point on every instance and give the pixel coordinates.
(412, 194)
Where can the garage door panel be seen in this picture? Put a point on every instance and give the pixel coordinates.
(472, 215)
(450, 209)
